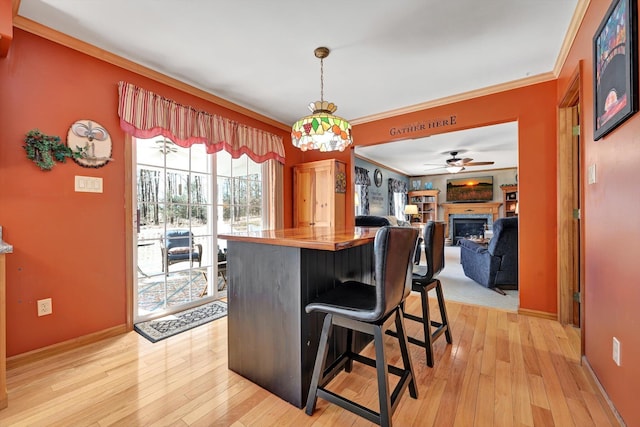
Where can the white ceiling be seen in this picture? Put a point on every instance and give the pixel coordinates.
(427, 156)
(385, 55)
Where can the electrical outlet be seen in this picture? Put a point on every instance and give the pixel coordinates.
(616, 351)
(44, 307)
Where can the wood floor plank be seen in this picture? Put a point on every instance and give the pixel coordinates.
(527, 347)
(425, 414)
(520, 402)
(485, 403)
(537, 392)
(467, 400)
(598, 413)
(579, 412)
(542, 417)
(503, 369)
(489, 349)
(503, 409)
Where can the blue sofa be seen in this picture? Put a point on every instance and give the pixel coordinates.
(494, 266)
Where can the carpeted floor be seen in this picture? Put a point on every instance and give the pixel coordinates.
(458, 287)
(165, 327)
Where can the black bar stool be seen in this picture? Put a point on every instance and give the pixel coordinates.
(424, 279)
(370, 309)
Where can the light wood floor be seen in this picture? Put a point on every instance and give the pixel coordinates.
(503, 369)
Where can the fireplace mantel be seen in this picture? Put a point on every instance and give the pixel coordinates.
(490, 208)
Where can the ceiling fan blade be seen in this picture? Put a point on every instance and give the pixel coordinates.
(457, 162)
(433, 168)
(478, 163)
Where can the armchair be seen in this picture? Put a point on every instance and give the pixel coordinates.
(495, 266)
(178, 246)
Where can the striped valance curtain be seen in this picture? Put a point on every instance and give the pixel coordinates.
(145, 114)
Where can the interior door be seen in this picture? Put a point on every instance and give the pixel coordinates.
(576, 252)
(570, 213)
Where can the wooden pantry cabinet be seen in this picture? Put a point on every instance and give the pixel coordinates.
(319, 194)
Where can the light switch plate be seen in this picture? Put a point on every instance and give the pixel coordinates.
(88, 184)
(591, 174)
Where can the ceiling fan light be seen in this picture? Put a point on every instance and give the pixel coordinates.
(454, 169)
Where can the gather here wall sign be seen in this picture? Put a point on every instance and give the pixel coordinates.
(423, 125)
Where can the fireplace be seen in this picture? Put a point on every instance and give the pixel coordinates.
(466, 227)
(486, 211)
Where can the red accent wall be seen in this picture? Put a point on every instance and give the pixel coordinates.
(612, 230)
(68, 246)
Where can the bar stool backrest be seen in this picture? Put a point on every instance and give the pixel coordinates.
(433, 236)
(394, 248)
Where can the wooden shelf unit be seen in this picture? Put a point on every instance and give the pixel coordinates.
(510, 199)
(427, 202)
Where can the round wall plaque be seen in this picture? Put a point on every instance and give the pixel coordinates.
(377, 177)
(92, 141)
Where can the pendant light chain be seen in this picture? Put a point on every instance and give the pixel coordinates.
(322, 79)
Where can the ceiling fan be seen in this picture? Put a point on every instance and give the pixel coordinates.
(456, 164)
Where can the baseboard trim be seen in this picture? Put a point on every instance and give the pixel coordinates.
(592, 376)
(537, 313)
(52, 350)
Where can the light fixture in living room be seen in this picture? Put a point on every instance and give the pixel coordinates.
(410, 211)
(321, 130)
(455, 169)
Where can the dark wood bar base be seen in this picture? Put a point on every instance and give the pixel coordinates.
(272, 340)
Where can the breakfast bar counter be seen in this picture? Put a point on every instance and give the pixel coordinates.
(272, 275)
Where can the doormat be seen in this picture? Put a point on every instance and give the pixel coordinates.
(165, 327)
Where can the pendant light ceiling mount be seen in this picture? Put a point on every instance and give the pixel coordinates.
(321, 130)
(321, 52)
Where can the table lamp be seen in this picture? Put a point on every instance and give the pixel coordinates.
(410, 211)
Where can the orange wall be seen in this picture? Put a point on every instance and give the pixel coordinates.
(68, 246)
(6, 27)
(534, 109)
(611, 206)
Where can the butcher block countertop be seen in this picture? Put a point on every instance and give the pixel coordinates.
(322, 238)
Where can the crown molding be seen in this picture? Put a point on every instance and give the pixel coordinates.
(103, 55)
(489, 90)
(572, 31)
(76, 44)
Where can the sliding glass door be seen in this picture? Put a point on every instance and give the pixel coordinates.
(183, 198)
(175, 227)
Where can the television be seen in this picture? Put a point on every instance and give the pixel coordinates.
(469, 190)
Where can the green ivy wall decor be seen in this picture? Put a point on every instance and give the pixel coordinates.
(45, 150)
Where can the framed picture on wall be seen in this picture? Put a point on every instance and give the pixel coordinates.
(615, 75)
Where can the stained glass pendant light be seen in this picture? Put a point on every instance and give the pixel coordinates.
(321, 130)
